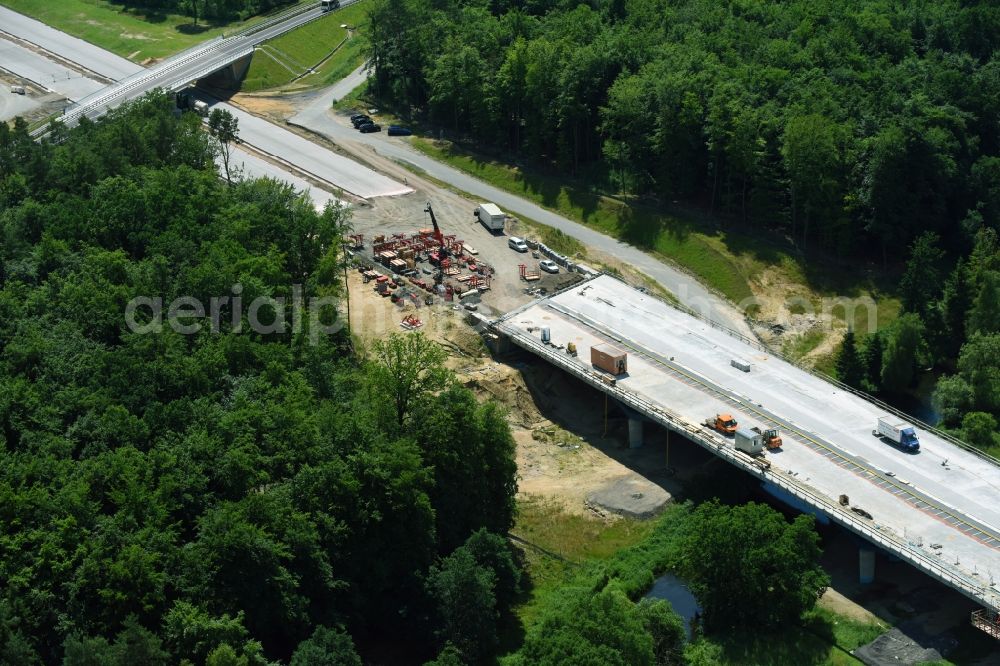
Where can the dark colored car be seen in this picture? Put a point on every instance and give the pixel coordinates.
(360, 120)
(399, 130)
(369, 128)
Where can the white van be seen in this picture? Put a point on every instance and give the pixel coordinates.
(518, 244)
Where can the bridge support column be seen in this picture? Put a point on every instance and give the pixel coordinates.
(635, 433)
(231, 76)
(866, 564)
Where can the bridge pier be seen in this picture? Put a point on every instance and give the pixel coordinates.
(866, 564)
(230, 77)
(634, 433)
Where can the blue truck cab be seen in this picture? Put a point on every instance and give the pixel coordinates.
(900, 433)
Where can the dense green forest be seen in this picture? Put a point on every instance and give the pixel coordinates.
(867, 129)
(856, 125)
(221, 497)
(232, 496)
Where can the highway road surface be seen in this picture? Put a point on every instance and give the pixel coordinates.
(12, 105)
(338, 172)
(941, 502)
(45, 73)
(93, 57)
(178, 71)
(320, 118)
(254, 166)
(325, 165)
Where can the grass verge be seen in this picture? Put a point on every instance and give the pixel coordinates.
(322, 45)
(136, 34)
(730, 262)
(355, 100)
(660, 234)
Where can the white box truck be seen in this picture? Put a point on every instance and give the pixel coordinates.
(897, 431)
(750, 442)
(200, 107)
(491, 216)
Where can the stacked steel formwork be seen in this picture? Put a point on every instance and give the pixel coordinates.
(987, 621)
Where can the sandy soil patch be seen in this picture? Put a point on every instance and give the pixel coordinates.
(836, 602)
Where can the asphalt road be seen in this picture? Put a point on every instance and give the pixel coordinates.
(323, 165)
(320, 118)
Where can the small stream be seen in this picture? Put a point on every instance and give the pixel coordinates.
(675, 591)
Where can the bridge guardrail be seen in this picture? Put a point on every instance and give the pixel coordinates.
(275, 19)
(105, 97)
(890, 541)
(757, 344)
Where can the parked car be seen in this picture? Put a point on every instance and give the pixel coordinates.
(360, 120)
(399, 130)
(518, 244)
(548, 266)
(369, 128)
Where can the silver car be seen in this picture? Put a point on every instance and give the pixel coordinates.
(548, 266)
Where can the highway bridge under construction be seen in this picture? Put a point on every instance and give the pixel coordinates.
(937, 508)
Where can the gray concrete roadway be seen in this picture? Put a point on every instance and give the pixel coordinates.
(320, 163)
(317, 161)
(318, 117)
(12, 105)
(93, 57)
(50, 75)
(253, 166)
(940, 503)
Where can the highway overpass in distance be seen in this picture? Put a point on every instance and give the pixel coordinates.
(937, 509)
(181, 70)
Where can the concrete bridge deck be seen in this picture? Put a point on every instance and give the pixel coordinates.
(937, 509)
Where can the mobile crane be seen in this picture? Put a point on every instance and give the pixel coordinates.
(442, 249)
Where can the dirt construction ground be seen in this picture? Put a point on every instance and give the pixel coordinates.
(565, 450)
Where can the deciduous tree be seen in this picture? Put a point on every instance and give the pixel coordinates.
(747, 566)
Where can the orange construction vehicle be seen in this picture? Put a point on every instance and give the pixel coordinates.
(772, 438)
(724, 423)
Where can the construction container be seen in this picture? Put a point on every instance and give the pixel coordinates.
(740, 364)
(749, 441)
(609, 359)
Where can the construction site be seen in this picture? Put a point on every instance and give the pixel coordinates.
(425, 269)
(619, 402)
